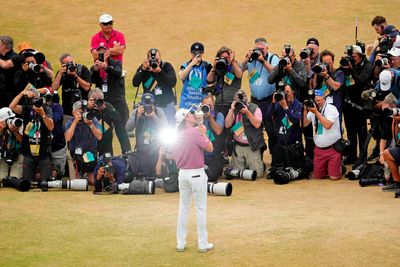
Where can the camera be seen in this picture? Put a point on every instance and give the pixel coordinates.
(16, 122)
(34, 67)
(148, 107)
(310, 102)
(101, 57)
(369, 94)
(71, 66)
(221, 65)
(385, 44)
(306, 53)
(213, 89)
(153, 63)
(353, 174)
(352, 104)
(392, 111)
(220, 189)
(98, 102)
(245, 174)
(74, 185)
(205, 109)
(286, 175)
(372, 181)
(287, 48)
(240, 104)
(347, 59)
(106, 160)
(138, 187)
(318, 68)
(279, 95)
(255, 54)
(87, 115)
(37, 102)
(152, 58)
(22, 185)
(76, 94)
(283, 62)
(384, 60)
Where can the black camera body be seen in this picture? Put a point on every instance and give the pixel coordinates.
(213, 89)
(255, 54)
(306, 53)
(76, 94)
(384, 60)
(71, 66)
(385, 44)
(283, 62)
(318, 68)
(347, 59)
(34, 67)
(221, 65)
(101, 57)
(240, 104)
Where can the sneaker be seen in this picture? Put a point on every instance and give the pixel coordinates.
(180, 249)
(208, 247)
(391, 187)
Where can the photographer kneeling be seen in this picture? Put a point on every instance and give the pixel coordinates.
(82, 133)
(286, 112)
(325, 119)
(109, 173)
(38, 124)
(245, 119)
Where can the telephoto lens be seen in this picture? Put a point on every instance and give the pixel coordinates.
(220, 189)
(245, 174)
(353, 174)
(73, 185)
(99, 102)
(88, 116)
(305, 53)
(372, 181)
(285, 176)
(16, 122)
(221, 65)
(318, 68)
(34, 67)
(153, 63)
(205, 108)
(138, 187)
(22, 185)
(283, 62)
(255, 54)
(381, 62)
(278, 96)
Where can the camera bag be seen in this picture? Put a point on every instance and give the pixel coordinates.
(341, 145)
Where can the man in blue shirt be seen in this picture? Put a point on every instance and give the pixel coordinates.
(259, 68)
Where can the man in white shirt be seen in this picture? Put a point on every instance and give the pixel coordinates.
(325, 119)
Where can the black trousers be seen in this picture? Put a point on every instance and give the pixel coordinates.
(356, 130)
(267, 124)
(30, 166)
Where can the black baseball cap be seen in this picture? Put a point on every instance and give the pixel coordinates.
(197, 47)
(312, 40)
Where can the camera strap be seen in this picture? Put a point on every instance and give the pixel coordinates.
(316, 121)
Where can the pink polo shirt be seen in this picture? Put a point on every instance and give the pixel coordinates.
(116, 37)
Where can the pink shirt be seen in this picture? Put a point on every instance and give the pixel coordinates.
(116, 37)
(188, 151)
(242, 138)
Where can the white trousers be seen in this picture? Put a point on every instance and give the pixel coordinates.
(192, 181)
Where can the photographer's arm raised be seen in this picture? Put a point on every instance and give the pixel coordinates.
(217, 129)
(14, 104)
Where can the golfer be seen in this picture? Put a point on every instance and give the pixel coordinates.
(189, 156)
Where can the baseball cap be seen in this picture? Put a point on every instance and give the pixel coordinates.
(385, 80)
(312, 40)
(147, 96)
(357, 49)
(24, 46)
(318, 92)
(390, 30)
(397, 42)
(180, 115)
(102, 46)
(6, 113)
(394, 52)
(197, 47)
(105, 18)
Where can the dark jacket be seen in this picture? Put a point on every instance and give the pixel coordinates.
(361, 74)
(254, 135)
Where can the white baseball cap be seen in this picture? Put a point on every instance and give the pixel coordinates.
(105, 18)
(385, 80)
(394, 52)
(6, 113)
(180, 115)
(357, 49)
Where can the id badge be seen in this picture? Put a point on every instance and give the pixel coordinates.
(104, 88)
(238, 128)
(229, 77)
(253, 76)
(78, 151)
(286, 123)
(319, 129)
(157, 91)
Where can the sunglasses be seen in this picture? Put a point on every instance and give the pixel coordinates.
(107, 23)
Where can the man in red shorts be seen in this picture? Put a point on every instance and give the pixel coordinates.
(325, 120)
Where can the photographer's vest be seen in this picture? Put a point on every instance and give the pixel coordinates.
(254, 136)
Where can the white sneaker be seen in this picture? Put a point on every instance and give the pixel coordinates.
(180, 249)
(208, 247)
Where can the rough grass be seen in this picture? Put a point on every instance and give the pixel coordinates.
(305, 223)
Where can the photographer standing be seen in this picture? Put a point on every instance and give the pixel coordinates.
(109, 119)
(158, 78)
(325, 119)
(286, 115)
(246, 119)
(358, 72)
(291, 72)
(107, 75)
(82, 133)
(74, 79)
(147, 120)
(259, 65)
(193, 74)
(226, 77)
(38, 124)
(189, 156)
(10, 143)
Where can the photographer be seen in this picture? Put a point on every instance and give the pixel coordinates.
(310, 56)
(38, 124)
(387, 140)
(75, 82)
(378, 23)
(106, 73)
(290, 71)
(286, 114)
(329, 80)
(189, 156)
(109, 119)
(214, 123)
(158, 78)
(10, 143)
(358, 72)
(325, 119)
(394, 58)
(10, 64)
(259, 69)
(165, 166)
(109, 173)
(82, 133)
(193, 74)
(389, 81)
(147, 120)
(246, 119)
(226, 77)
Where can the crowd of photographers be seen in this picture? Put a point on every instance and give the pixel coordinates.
(46, 135)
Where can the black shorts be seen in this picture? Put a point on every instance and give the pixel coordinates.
(395, 152)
